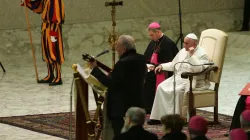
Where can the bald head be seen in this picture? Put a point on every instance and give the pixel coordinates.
(125, 43)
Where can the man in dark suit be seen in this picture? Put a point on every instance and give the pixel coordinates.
(133, 126)
(125, 83)
(241, 120)
(242, 105)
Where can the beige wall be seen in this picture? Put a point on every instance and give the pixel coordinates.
(88, 22)
(12, 15)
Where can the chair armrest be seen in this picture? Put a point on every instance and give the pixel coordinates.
(207, 70)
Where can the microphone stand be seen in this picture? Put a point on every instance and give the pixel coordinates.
(181, 34)
(175, 74)
(2, 67)
(70, 116)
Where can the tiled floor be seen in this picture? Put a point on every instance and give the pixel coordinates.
(21, 95)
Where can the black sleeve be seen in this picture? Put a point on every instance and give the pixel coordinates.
(103, 78)
(168, 50)
(115, 76)
(148, 52)
(119, 72)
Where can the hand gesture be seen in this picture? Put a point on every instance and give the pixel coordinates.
(158, 69)
(191, 51)
(151, 67)
(92, 64)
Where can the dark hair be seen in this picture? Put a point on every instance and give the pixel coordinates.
(174, 122)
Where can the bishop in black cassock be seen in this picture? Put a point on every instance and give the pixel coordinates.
(161, 49)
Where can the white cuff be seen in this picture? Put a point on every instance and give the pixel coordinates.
(53, 38)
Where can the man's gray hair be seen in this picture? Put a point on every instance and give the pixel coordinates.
(244, 123)
(137, 115)
(128, 41)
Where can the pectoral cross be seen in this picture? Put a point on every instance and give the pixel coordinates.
(113, 37)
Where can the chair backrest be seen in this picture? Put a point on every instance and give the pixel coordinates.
(214, 41)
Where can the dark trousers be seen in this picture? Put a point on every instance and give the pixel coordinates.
(117, 124)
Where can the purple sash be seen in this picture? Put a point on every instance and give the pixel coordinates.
(160, 76)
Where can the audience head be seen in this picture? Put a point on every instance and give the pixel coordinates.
(154, 31)
(191, 40)
(197, 126)
(125, 43)
(237, 134)
(134, 116)
(172, 123)
(245, 119)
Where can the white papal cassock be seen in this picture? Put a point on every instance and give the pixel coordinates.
(164, 99)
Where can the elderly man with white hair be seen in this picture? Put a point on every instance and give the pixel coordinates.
(125, 82)
(133, 126)
(164, 100)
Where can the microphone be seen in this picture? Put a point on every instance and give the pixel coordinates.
(102, 53)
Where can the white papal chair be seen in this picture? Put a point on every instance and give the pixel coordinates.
(214, 41)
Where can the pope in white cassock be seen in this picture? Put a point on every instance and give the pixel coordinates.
(164, 99)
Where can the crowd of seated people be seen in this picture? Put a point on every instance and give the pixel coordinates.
(172, 127)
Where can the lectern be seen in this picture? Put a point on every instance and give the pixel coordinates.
(88, 128)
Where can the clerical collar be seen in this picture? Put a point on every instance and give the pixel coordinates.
(160, 38)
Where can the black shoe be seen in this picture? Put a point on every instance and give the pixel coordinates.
(153, 122)
(226, 135)
(45, 81)
(56, 83)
